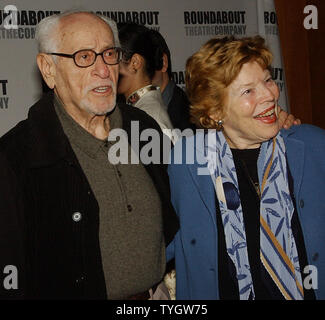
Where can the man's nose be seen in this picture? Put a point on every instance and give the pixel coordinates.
(101, 69)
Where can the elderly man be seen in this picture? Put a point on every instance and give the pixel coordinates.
(72, 224)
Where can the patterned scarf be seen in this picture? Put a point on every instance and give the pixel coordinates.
(278, 251)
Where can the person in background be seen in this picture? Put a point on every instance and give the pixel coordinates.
(73, 224)
(251, 206)
(173, 96)
(141, 58)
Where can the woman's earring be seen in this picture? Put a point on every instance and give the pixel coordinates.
(219, 124)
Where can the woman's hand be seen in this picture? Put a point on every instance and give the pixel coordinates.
(287, 120)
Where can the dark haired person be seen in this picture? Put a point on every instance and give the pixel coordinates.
(174, 97)
(141, 58)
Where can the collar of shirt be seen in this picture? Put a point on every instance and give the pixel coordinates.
(168, 92)
(80, 137)
(135, 96)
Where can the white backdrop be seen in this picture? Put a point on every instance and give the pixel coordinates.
(185, 24)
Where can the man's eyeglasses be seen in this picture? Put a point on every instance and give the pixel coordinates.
(86, 58)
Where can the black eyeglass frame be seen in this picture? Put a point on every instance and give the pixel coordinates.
(73, 56)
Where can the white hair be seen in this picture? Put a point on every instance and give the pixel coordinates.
(47, 28)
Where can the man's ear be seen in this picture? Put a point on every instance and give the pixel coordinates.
(47, 68)
(165, 63)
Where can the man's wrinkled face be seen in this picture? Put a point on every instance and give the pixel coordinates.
(90, 90)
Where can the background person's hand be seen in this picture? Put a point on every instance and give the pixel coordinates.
(287, 120)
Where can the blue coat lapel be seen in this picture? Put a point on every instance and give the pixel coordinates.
(296, 164)
(205, 185)
(205, 188)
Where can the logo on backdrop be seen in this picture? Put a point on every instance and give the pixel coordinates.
(20, 24)
(270, 23)
(278, 77)
(215, 23)
(148, 18)
(4, 100)
(179, 78)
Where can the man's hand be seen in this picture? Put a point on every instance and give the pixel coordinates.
(287, 120)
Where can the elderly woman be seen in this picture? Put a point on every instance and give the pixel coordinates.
(142, 57)
(251, 205)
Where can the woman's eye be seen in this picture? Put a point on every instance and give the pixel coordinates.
(247, 91)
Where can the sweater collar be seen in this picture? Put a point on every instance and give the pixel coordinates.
(48, 141)
(77, 135)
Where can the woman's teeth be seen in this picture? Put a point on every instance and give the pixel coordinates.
(267, 114)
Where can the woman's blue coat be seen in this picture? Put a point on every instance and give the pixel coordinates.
(193, 196)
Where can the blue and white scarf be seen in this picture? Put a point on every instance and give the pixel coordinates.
(278, 251)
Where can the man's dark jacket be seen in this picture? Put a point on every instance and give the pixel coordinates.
(41, 187)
